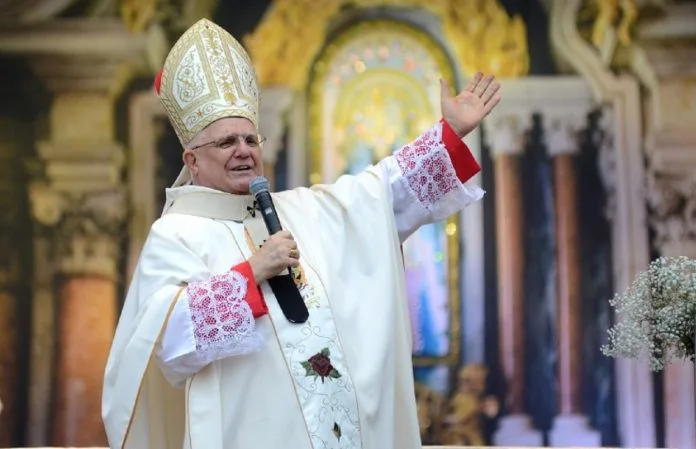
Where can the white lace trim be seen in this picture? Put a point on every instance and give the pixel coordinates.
(428, 174)
(223, 322)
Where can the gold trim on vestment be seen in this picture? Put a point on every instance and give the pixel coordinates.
(152, 351)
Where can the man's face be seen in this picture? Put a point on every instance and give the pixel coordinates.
(225, 156)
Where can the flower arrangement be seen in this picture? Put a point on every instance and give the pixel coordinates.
(656, 314)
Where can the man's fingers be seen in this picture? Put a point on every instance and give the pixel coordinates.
(471, 86)
(483, 85)
(283, 235)
(488, 94)
(488, 107)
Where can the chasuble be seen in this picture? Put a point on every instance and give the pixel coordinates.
(204, 358)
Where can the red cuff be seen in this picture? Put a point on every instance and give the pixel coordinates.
(465, 166)
(254, 296)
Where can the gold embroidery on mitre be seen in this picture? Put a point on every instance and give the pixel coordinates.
(207, 76)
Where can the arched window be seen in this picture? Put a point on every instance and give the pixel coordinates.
(374, 88)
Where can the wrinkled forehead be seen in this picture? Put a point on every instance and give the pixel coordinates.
(222, 128)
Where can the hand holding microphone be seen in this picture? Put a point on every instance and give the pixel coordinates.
(276, 254)
(274, 257)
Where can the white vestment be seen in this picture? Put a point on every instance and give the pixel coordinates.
(343, 379)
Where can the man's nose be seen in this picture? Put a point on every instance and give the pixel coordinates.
(242, 150)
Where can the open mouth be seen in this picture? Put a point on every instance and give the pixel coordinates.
(241, 168)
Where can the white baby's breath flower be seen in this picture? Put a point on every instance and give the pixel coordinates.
(656, 315)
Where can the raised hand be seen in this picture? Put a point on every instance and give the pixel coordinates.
(465, 111)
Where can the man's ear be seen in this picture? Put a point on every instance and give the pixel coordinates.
(190, 160)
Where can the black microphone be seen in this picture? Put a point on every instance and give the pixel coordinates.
(259, 187)
(283, 286)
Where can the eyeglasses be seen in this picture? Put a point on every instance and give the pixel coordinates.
(234, 141)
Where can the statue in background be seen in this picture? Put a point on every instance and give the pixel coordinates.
(457, 420)
(468, 408)
(429, 404)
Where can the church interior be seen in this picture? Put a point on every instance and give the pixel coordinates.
(588, 166)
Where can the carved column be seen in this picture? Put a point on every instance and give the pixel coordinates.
(570, 427)
(506, 145)
(665, 62)
(80, 207)
(672, 199)
(84, 229)
(275, 101)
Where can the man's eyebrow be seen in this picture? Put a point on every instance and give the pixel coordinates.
(231, 136)
(217, 141)
(223, 138)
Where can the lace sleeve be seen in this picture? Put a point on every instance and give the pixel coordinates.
(223, 321)
(212, 320)
(427, 179)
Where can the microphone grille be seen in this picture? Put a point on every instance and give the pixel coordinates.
(258, 185)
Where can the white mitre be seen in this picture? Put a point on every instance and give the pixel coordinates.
(207, 76)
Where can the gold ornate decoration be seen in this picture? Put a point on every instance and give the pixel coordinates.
(607, 24)
(430, 406)
(468, 407)
(207, 76)
(363, 94)
(618, 14)
(457, 419)
(138, 14)
(172, 15)
(481, 33)
(485, 38)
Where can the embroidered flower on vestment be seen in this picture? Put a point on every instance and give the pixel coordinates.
(319, 365)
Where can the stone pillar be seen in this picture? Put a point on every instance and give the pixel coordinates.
(669, 101)
(570, 427)
(506, 145)
(78, 179)
(275, 102)
(672, 199)
(79, 206)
